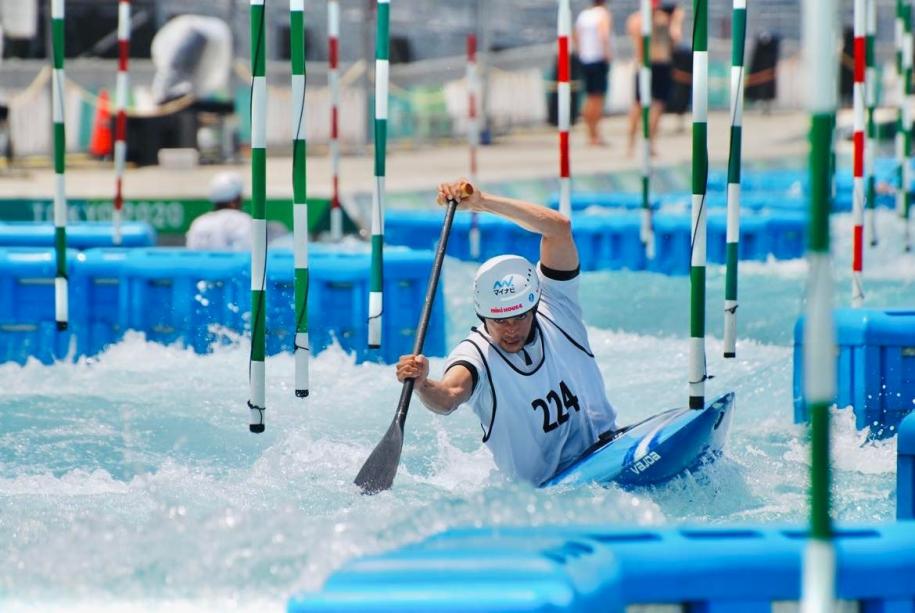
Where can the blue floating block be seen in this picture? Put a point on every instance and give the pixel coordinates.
(786, 236)
(875, 367)
(630, 201)
(905, 469)
(338, 303)
(85, 235)
(752, 245)
(176, 295)
(572, 568)
(672, 245)
(27, 318)
(609, 242)
(96, 287)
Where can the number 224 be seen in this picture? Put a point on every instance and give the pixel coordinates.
(568, 401)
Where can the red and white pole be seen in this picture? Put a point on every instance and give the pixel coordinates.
(473, 136)
(333, 81)
(564, 95)
(860, 25)
(120, 107)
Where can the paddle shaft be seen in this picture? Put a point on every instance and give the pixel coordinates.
(407, 392)
(379, 470)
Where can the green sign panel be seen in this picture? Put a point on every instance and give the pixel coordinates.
(166, 215)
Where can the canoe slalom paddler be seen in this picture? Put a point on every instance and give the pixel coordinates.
(527, 370)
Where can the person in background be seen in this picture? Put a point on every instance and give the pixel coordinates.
(666, 33)
(593, 43)
(527, 371)
(226, 227)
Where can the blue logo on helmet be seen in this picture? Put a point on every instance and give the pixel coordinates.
(504, 286)
(530, 297)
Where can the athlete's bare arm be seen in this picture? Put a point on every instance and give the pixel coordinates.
(557, 248)
(441, 397)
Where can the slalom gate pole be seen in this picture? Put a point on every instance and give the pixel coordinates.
(564, 101)
(870, 149)
(647, 227)
(697, 367)
(819, 46)
(299, 194)
(473, 137)
(376, 283)
(333, 82)
(256, 368)
(120, 109)
(907, 102)
(738, 42)
(857, 290)
(58, 83)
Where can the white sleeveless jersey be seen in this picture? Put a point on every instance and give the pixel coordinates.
(588, 27)
(542, 407)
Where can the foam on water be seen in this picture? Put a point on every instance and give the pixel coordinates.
(130, 481)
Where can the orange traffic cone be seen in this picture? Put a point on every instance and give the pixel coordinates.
(100, 145)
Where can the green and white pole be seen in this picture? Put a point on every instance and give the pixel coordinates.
(907, 102)
(376, 281)
(697, 372)
(333, 81)
(820, 47)
(647, 228)
(738, 42)
(299, 189)
(870, 149)
(900, 109)
(61, 307)
(256, 372)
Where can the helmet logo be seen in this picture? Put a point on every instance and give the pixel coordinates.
(505, 286)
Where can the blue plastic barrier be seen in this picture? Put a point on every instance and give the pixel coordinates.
(27, 320)
(709, 569)
(629, 201)
(176, 295)
(338, 303)
(905, 469)
(611, 242)
(786, 235)
(608, 242)
(84, 235)
(671, 245)
(875, 367)
(95, 288)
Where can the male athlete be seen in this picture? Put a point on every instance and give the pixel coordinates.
(527, 371)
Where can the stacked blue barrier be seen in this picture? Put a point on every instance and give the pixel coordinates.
(875, 367)
(177, 295)
(571, 568)
(28, 326)
(905, 469)
(338, 303)
(95, 291)
(608, 242)
(201, 298)
(83, 235)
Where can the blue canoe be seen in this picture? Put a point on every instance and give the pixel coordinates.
(655, 450)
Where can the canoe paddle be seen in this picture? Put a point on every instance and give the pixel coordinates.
(377, 474)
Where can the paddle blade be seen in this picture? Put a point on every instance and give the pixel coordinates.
(377, 474)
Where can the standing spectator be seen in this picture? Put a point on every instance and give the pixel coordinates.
(592, 41)
(226, 227)
(666, 33)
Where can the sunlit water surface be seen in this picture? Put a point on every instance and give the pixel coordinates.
(131, 481)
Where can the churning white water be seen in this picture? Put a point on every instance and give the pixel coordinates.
(131, 480)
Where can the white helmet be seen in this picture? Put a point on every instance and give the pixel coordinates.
(505, 286)
(225, 187)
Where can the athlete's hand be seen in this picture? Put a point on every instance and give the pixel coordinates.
(468, 196)
(413, 367)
